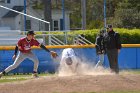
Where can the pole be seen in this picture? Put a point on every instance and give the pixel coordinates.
(63, 13)
(83, 13)
(24, 15)
(104, 13)
(47, 13)
(49, 33)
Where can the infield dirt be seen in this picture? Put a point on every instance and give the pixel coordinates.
(85, 81)
(77, 84)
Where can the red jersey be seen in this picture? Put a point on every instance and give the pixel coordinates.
(26, 45)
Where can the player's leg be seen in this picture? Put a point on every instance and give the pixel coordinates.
(34, 58)
(112, 58)
(101, 60)
(115, 64)
(20, 57)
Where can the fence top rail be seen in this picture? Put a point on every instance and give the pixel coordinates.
(68, 46)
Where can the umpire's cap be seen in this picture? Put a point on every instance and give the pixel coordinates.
(30, 32)
(109, 26)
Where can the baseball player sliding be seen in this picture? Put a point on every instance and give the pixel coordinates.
(24, 46)
(69, 60)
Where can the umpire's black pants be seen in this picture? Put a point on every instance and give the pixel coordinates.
(113, 60)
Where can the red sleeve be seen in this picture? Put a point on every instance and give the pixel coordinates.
(19, 43)
(35, 42)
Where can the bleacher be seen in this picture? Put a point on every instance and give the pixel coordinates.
(9, 37)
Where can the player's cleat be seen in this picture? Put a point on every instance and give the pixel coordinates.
(1, 74)
(35, 75)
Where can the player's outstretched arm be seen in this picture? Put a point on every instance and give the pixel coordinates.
(53, 54)
(43, 47)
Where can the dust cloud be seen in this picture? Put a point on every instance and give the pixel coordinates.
(83, 68)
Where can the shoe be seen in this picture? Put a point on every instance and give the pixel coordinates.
(1, 74)
(116, 72)
(35, 75)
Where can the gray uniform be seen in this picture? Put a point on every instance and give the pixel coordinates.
(22, 56)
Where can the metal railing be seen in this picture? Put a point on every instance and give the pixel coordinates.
(47, 38)
(56, 41)
(82, 40)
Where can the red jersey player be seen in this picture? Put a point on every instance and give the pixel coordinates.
(24, 46)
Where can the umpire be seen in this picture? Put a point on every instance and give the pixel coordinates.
(113, 46)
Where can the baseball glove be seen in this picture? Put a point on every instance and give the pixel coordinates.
(53, 54)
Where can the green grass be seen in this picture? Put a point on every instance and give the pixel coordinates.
(20, 77)
(107, 92)
(11, 80)
(132, 71)
(122, 92)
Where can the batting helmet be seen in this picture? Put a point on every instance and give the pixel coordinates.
(68, 61)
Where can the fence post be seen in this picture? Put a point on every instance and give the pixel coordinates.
(65, 35)
(44, 39)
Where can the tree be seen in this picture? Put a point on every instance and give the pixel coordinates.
(120, 13)
(127, 14)
(47, 13)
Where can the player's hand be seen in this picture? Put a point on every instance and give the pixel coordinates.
(14, 57)
(118, 51)
(53, 54)
(103, 51)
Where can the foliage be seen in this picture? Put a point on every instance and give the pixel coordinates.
(127, 36)
(120, 13)
(127, 14)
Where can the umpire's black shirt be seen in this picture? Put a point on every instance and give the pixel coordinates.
(112, 40)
